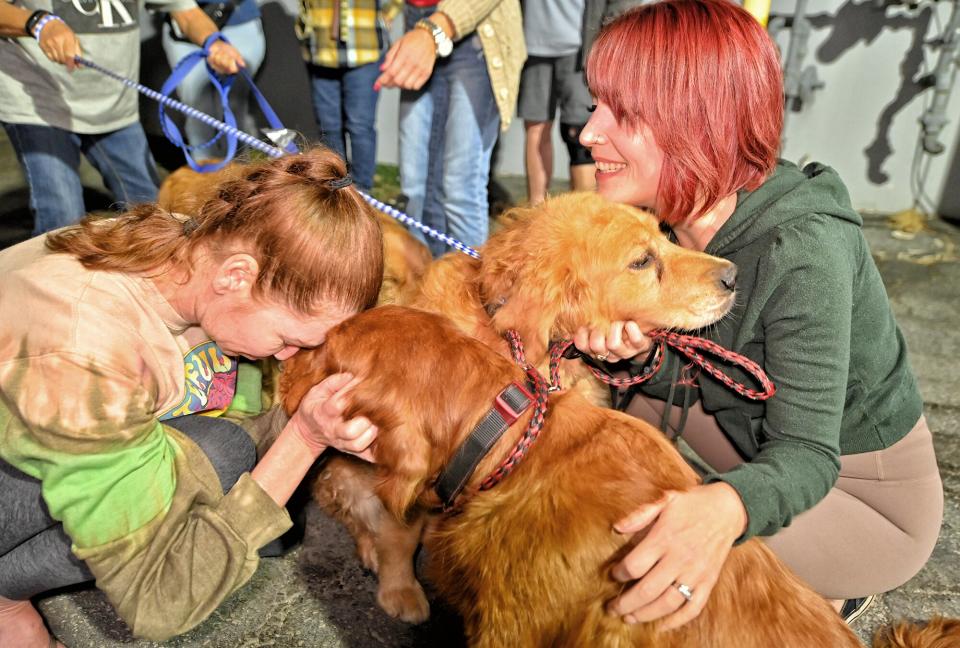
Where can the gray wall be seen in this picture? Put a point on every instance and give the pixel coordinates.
(864, 122)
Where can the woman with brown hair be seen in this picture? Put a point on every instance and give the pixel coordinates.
(114, 333)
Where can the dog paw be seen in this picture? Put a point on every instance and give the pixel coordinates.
(367, 551)
(405, 603)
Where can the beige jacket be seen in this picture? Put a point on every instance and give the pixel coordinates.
(500, 26)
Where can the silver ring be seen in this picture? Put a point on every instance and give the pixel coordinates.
(602, 357)
(685, 591)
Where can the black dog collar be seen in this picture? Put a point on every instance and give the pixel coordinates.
(509, 405)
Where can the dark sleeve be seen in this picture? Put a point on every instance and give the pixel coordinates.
(807, 329)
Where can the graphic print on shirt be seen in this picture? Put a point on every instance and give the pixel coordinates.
(98, 16)
(210, 378)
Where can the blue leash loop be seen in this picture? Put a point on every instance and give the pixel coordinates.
(270, 150)
(222, 85)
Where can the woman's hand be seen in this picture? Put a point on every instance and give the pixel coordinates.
(620, 341)
(409, 62)
(319, 419)
(691, 534)
(225, 58)
(60, 44)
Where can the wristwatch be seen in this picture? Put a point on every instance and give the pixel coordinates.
(444, 44)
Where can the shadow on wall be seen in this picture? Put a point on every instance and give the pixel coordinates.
(863, 22)
(282, 79)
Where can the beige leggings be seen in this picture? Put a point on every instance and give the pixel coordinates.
(873, 531)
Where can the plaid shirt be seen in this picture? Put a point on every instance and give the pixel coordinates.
(344, 33)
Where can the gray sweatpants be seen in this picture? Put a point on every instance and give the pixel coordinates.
(35, 552)
(874, 530)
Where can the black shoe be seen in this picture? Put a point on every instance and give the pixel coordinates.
(853, 608)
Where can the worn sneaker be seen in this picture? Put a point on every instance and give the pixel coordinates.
(853, 609)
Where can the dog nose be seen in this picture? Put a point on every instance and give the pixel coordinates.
(727, 277)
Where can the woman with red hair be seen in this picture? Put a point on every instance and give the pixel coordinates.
(837, 471)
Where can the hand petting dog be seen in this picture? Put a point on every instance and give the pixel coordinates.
(677, 563)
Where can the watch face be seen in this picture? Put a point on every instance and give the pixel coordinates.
(444, 47)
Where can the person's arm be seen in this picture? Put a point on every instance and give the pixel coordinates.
(13, 19)
(806, 354)
(466, 15)
(410, 61)
(57, 41)
(317, 424)
(197, 27)
(807, 330)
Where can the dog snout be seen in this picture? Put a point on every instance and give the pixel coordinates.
(727, 277)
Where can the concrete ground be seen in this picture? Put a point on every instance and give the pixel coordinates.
(318, 594)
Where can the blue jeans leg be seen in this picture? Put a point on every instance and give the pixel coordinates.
(447, 132)
(124, 160)
(416, 119)
(325, 85)
(360, 116)
(472, 124)
(50, 158)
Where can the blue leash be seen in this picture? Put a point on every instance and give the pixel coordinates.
(270, 150)
(222, 87)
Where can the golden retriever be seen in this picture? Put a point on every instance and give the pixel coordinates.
(527, 563)
(571, 261)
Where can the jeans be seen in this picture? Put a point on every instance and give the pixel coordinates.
(196, 90)
(344, 102)
(35, 552)
(50, 158)
(447, 132)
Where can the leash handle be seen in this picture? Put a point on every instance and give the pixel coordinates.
(222, 87)
(180, 71)
(688, 345)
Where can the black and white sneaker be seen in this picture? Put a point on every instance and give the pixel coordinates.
(853, 609)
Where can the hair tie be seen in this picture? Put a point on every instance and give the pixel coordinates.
(340, 183)
(190, 226)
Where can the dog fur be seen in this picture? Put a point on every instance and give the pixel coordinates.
(527, 563)
(574, 260)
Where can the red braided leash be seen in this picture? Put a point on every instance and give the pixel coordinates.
(532, 432)
(687, 345)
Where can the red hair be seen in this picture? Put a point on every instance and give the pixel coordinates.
(704, 77)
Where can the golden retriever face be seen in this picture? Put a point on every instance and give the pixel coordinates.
(578, 259)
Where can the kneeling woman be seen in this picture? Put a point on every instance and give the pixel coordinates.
(837, 471)
(113, 334)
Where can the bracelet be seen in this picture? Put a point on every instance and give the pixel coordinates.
(32, 21)
(38, 28)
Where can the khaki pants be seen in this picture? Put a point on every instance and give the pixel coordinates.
(873, 531)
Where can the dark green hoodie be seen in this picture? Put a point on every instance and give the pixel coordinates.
(811, 309)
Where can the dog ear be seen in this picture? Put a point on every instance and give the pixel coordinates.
(520, 279)
(297, 376)
(403, 457)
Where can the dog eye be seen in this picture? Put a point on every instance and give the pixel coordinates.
(642, 262)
